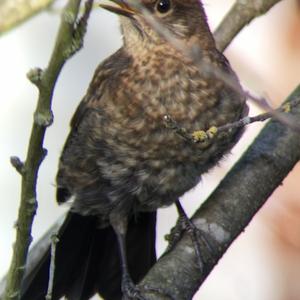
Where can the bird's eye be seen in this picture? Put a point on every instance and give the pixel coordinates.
(163, 6)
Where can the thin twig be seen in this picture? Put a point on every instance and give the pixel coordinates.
(202, 136)
(67, 43)
(284, 109)
(54, 241)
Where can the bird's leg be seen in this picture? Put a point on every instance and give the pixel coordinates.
(129, 289)
(197, 235)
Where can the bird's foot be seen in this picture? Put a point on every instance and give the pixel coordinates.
(130, 290)
(175, 234)
(199, 237)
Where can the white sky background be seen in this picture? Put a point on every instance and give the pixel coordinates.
(245, 272)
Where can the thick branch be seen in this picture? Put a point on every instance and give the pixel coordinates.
(69, 40)
(15, 12)
(229, 209)
(241, 14)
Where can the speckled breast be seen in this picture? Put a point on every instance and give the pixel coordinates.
(162, 164)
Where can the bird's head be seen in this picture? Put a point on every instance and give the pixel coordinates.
(150, 21)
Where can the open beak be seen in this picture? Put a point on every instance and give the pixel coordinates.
(119, 7)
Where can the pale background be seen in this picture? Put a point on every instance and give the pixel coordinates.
(264, 262)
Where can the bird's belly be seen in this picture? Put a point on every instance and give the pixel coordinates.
(156, 163)
(163, 169)
(162, 187)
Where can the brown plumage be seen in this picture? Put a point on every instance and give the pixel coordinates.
(119, 146)
(120, 158)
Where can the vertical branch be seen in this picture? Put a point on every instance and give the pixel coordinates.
(68, 42)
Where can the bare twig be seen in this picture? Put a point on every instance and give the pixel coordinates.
(201, 136)
(37, 251)
(54, 241)
(69, 40)
(228, 210)
(241, 14)
(15, 12)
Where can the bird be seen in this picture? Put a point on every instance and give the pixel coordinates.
(120, 162)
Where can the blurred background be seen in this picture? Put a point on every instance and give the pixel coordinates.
(264, 262)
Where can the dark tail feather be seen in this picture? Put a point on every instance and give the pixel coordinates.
(87, 259)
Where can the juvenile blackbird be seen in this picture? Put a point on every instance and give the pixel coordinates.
(121, 162)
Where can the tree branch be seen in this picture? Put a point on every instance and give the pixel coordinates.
(69, 40)
(241, 14)
(229, 209)
(15, 12)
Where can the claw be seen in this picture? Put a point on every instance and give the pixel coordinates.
(198, 236)
(130, 290)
